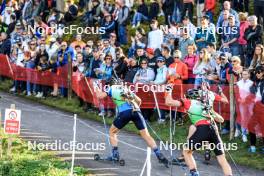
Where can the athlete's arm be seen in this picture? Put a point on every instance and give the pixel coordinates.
(137, 99)
(221, 97)
(169, 101)
(224, 98)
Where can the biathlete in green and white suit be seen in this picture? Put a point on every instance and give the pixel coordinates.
(204, 132)
(125, 114)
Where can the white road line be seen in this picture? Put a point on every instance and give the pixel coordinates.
(45, 137)
(98, 169)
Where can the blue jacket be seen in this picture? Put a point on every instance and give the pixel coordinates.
(207, 34)
(106, 72)
(90, 72)
(68, 51)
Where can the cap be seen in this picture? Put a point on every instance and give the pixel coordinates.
(224, 55)
(259, 69)
(150, 51)
(161, 59)
(206, 17)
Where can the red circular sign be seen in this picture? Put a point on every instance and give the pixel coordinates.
(12, 115)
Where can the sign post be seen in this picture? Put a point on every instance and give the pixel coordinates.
(12, 125)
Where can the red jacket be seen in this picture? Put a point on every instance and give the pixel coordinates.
(181, 69)
(209, 5)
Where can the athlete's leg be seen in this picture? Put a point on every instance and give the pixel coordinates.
(224, 165)
(140, 123)
(148, 139)
(219, 150)
(113, 131)
(189, 160)
(192, 129)
(120, 121)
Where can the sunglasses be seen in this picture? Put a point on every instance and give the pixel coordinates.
(143, 63)
(159, 61)
(258, 72)
(108, 58)
(32, 43)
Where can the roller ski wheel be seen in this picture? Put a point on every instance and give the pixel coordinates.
(96, 157)
(121, 162)
(207, 157)
(178, 162)
(162, 159)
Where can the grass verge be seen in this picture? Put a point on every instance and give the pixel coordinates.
(24, 162)
(241, 156)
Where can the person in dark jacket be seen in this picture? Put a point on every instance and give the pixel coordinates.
(120, 63)
(154, 10)
(137, 41)
(188, 7)
(108, 24)
(168, 7)
(94, 64)
(122, 22)
(140, 15)
(5, 46)
(151, 59)
(72, 11)
(258, 10)
(241, 6)
(93, 16)
(42, 90)
(253, 36)
(257, 119)
(166, 54)
(132, 70)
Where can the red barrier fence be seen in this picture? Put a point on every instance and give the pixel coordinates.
(248, 114)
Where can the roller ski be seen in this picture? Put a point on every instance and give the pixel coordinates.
(178, 162)
(112, 159)
(162, 159)
(207, 157)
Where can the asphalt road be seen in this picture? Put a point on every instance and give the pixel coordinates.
(45, 125)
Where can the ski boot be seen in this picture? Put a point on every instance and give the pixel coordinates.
(162, 159)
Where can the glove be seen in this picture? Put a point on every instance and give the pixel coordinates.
(169, 88)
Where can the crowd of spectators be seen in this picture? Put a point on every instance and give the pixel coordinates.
(190, 49)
